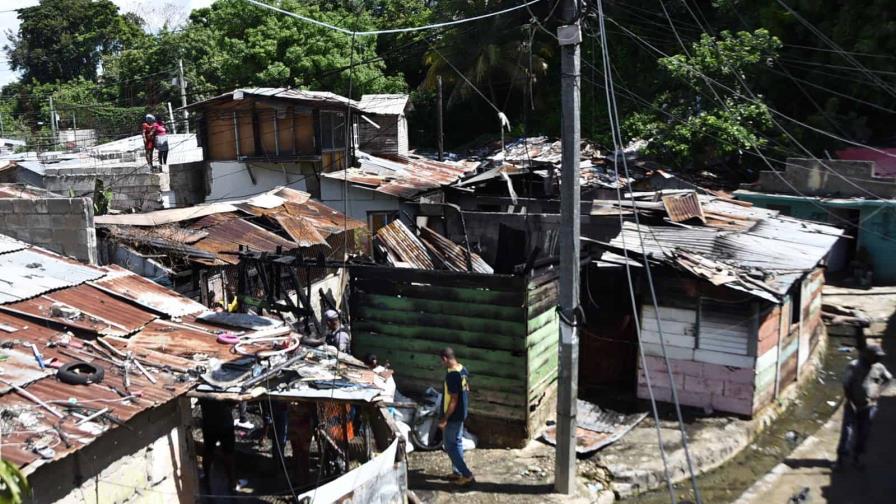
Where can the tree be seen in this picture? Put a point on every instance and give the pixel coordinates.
(60, 40)
(708, 111)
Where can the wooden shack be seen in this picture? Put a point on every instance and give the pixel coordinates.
(504, 329)
(383, 128)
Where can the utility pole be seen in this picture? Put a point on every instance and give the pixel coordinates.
(183, 94)
(439, 119)
(53, 121)
(1, 126)
(570, 38)
(171, 118)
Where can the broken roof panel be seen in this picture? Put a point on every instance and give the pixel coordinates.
(403, 247)
(146, 293)
(399, 176)
(383, 104)
(224, 240)
(168, 216)
(29, 272)
(86, 308)
(683, 207)
(285, 94)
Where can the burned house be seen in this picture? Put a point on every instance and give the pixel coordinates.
(196, 250)
(738, 295)
(102, 368)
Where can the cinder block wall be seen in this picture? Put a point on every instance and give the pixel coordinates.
(132, 189)
(63, 225)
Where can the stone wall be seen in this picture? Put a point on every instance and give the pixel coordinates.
(63, 225)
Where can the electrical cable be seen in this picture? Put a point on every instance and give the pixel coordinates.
(614, 124)
(394, 30)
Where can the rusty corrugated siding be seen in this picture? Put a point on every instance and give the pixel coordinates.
(403, 246)
(224, 240)
(682, 207)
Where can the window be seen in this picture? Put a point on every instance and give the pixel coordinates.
(725, 327)
(332, 130)
(376, 220)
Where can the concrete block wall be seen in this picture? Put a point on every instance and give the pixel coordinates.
(699, 384)
(63, 225)
(812, 178)
(132, 188)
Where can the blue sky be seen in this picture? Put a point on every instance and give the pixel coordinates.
(9, 21)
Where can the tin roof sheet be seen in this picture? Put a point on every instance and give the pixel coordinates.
(400, 176)
(384, 104)
(125, 284)
(31, 272)
(10, 244)
(224, 240)
(286, 94)
(98, 312)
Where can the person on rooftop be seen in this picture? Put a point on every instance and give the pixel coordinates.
(160, 141)
(148, 137)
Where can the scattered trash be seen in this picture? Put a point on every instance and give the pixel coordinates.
(801, 496)
(832, 403)
(792, 437)
(63, 311)
(596, 428)
(844, 349)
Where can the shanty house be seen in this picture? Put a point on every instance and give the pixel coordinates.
(738, 296)
(383, 128)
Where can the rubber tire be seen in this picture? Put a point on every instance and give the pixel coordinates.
(69, 373)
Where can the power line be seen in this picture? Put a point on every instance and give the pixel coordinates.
(393, 30)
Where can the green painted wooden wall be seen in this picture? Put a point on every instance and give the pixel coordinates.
(503, 328)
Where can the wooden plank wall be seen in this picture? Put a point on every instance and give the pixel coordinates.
(542, 340)
(407, 316)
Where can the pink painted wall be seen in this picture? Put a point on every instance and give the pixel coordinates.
(885, 165)
(698, 384)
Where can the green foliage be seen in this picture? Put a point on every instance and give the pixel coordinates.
(60, 40)
(14, 485)
(686, 125)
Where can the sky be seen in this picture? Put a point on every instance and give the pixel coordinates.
(9, 21)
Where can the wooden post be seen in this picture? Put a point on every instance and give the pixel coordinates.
(189, 473)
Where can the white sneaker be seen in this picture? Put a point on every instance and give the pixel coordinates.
(247, 425)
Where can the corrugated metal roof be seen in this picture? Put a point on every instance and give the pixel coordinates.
(740, 246)
(97, 312)
(399, 176)
(682, 207)
(286, 94)
(403, 247)
(452, 255)
(30, 272)
(383, 104)
(146, 293)
(10, 244)
(25, 191)
(224, 240)
(159, 217)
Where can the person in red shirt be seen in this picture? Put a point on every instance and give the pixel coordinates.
(160, 141)
(148, 137)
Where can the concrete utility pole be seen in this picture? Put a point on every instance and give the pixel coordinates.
(183, 94)
(53, 121)
(171, 118)
(439, 119)
(570, 38)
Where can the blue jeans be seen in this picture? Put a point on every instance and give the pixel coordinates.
(453, 442)
(855, 430)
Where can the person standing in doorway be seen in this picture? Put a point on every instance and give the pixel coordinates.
(148, 136)
(455, 401)
(865, 378)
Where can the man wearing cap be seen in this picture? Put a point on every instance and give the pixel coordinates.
(337, 335)
(862, 385)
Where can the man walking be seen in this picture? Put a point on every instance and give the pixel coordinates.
(455, 400)
(865, 377)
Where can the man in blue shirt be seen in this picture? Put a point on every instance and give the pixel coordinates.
(455, 399)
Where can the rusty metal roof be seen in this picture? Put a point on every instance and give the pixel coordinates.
(30, 272)
(97, 311)
(400, 176)
(683, 207)
(453, 256)
(146, 293)
(224, 240)
(403, 248)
